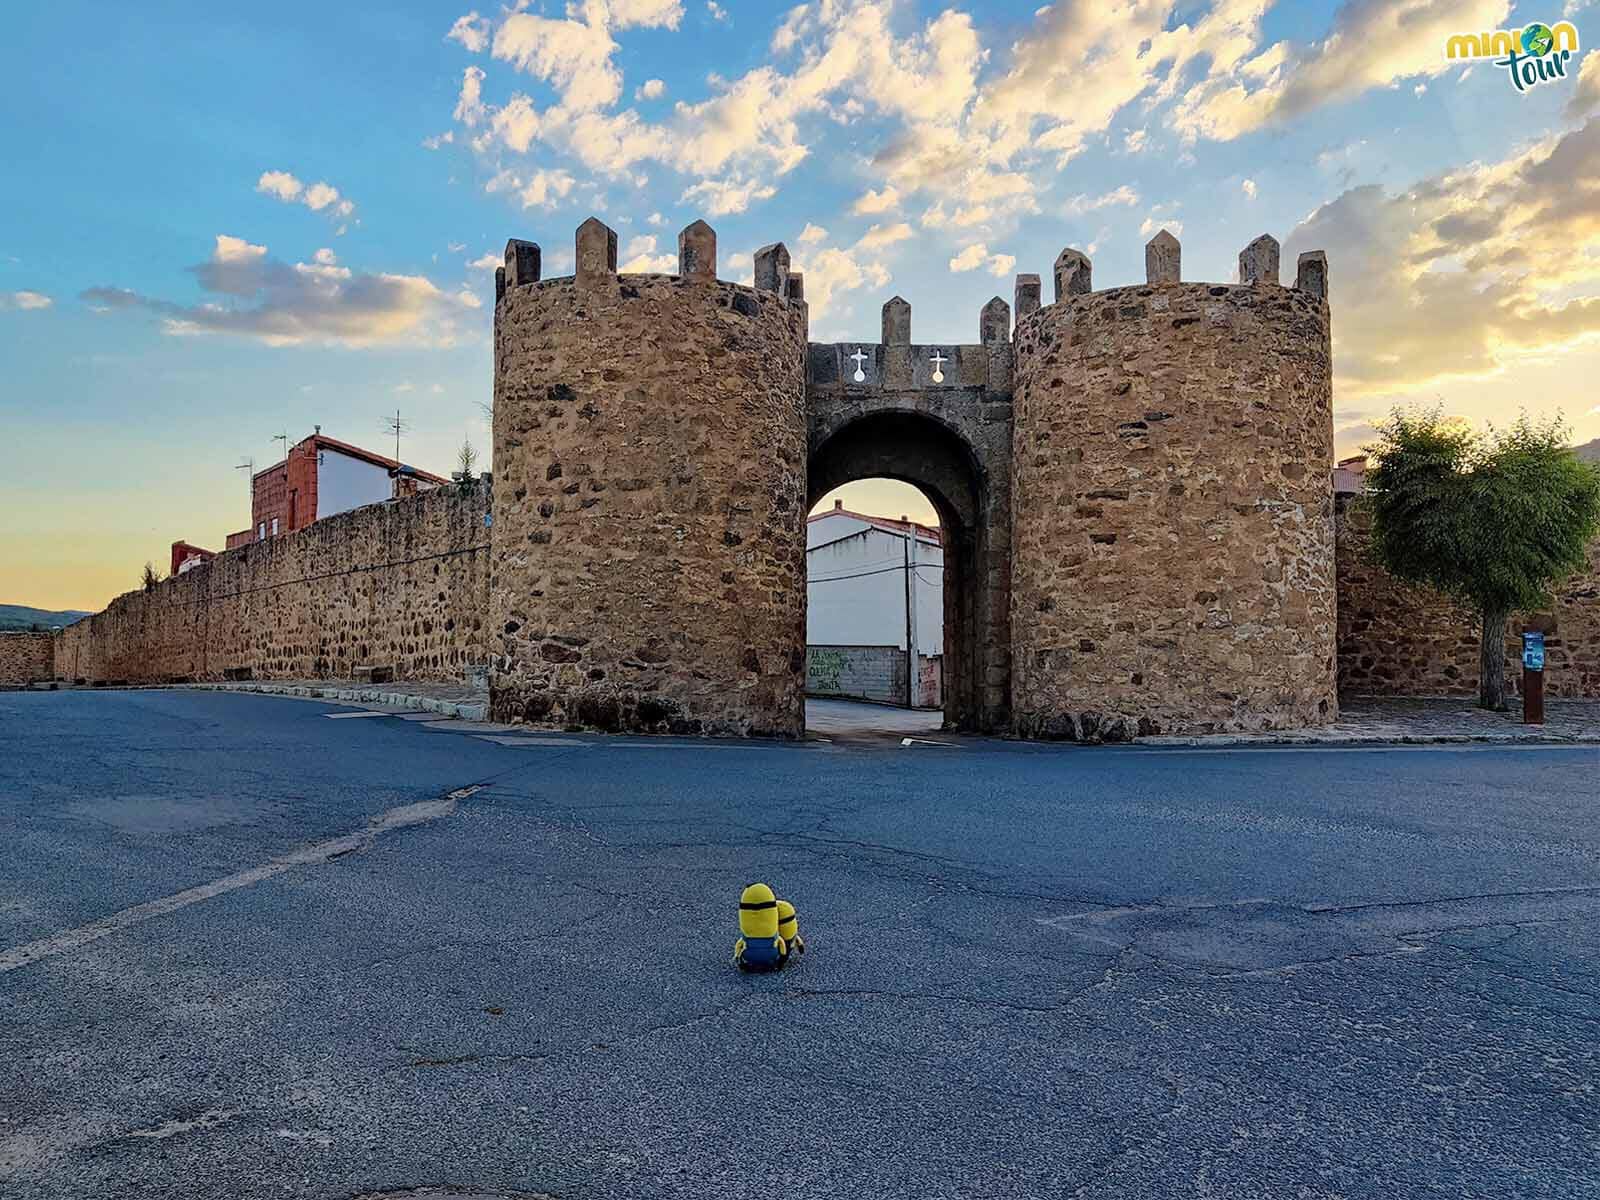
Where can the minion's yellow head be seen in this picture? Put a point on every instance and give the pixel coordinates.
(758, 912)
(788, 923)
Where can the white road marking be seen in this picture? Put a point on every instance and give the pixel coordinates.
(209, 1119)
(1362, 747)
(681, 745)
(926, 742)
(402, 817)
(502, 739)
(351, 716)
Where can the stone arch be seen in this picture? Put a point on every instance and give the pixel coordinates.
(916, 447)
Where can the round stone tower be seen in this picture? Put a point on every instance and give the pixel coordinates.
(1172, 504)
(649, 494)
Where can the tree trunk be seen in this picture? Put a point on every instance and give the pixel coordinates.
(1492, 662)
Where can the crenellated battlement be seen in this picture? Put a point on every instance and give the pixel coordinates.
(1134, 482)
(595, 263)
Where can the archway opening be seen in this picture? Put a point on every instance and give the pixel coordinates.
(892, 552)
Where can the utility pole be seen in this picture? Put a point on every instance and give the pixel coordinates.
(248, 466)
(911, 612)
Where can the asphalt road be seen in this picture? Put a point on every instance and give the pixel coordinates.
(1033, 971)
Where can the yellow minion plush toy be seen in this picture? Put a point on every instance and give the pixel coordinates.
(760, 948)
(789, 929)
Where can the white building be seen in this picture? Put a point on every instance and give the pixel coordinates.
(862, 575)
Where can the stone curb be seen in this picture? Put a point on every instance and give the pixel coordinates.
(466, 710)
(1375, 739)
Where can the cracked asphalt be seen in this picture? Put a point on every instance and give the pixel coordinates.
(249, 951)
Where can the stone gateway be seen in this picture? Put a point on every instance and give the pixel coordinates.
(1134, 486)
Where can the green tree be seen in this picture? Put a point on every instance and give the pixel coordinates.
(1495, 519)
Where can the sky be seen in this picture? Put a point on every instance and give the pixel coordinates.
(226, 223)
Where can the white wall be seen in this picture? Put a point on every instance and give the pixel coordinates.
(344, 483)
(856, 587)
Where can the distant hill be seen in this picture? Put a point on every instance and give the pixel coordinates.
(1589, 451)
(20, 616)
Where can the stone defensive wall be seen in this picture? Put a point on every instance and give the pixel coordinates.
(403, 585)
(1134, 486)
(1396, 639)
(1172, 532)
(649, 457)
(939, 416)
(26, 657)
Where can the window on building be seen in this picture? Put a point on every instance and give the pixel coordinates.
(261, 534)
(274, 526)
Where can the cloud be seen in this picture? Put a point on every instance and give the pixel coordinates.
(830, 271)
(1370, 45)
(1248, 187)
(648, 14)
(812, 234)
(716, 11)
(318, 197)
(959, 127)
(640, 258)
(472, 31)
(977, 255)
(486, 262)
(727, 195)
(1150, 225)
(879, 236)
(1001, 265)
(572, 56)
(871, 203)
(1585, 98)
(25, 301)
(1082, 203)
(280, 184)
(251, 294)
(438, 140)
(1466, 273)
(542, 189)
(470, 110)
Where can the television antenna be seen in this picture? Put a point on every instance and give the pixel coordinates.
(396, 425)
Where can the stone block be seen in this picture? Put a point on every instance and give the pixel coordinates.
(796, 287)
(522, 262)
(1258, 262)
(697, 251)
(772, 268)
(994, 322)
(1311, 274)
(596, 253)
(1162, 259)
(1073, 274)
(1029, 296)
(897, 322)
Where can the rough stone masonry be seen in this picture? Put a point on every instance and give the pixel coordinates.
(1133, 485)
(1136, 484)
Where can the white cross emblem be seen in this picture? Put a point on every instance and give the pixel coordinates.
(858, 358)
(939, 361)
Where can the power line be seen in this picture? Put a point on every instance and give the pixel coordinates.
(880, 571)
